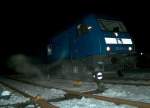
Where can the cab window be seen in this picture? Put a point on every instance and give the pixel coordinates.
(112, 25)
(83, 28)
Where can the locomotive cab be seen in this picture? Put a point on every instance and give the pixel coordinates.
(108, 46)
(116, 47)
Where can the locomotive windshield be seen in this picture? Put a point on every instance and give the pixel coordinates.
(109, 40)
(112, 25)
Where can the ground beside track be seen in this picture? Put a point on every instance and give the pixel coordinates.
(15, 97)
(131, 92)
(86, 99)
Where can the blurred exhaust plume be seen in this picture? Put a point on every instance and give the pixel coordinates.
(22, 64)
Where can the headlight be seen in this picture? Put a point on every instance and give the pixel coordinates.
(141, 53)
(130, 48)
(107, 48)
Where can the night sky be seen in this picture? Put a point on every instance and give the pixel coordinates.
(27, 26)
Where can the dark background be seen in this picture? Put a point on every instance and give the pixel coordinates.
(27, 26)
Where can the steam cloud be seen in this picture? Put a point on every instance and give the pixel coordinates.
(22, 64)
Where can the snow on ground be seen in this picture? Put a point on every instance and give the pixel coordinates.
(133, 82)
(135, 93)
(66, 84)
(36, 90)
(88, 103)
(8, 107)
(14, 98)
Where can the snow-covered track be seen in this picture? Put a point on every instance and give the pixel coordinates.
(112, 99)
(76, 94)
(128, 82)
(38, 100)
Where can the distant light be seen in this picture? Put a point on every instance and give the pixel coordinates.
(89, 27)
(130, 48)
(99, 76)
(116, 34)
(99, 73)
(108, 48)
(141, 53)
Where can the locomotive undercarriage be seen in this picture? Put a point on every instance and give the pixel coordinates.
(82, 69)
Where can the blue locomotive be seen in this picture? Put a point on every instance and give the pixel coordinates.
(94, 44)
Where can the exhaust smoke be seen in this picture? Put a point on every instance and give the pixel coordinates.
(22, 64)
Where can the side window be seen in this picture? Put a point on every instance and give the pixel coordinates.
(83, 28)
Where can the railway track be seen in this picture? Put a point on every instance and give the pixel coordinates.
(128, 82)
(37, 100)
(74, 94)
(110, 99)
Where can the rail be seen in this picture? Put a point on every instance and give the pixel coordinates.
(39, 100)
(90, 95)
